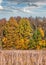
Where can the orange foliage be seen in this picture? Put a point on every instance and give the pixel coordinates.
(38, 47)
(4, 40)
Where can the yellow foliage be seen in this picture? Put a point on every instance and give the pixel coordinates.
(26, 40)
(4, 39)
(41, 31)
(38, 47)
(42, 42)
(13, 20)
(22, 41)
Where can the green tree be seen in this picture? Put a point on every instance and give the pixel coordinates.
(36, 38)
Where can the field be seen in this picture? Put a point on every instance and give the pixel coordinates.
(25, 57)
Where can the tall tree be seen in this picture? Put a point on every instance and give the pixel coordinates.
(25, 33)
(9, 33)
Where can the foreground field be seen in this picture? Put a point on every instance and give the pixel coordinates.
(25, 57)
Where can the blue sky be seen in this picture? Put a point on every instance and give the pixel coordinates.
(23, 8)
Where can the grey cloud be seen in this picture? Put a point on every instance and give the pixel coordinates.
(23, 0)
(32, 4)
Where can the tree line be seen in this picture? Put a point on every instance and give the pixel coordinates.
(23, 33)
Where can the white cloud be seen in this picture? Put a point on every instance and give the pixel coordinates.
(1, 7)
(0, 1)
(28, 9)
(40, 3)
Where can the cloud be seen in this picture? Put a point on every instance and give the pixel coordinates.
(1, 7)
(30, 3)
(0, 1)
(24, 0)
(27, 10)
(32, 7)
(40, 3)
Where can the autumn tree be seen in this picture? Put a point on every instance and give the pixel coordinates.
(37, 39)
(2, 24)
(25, 33)
(9, 33)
